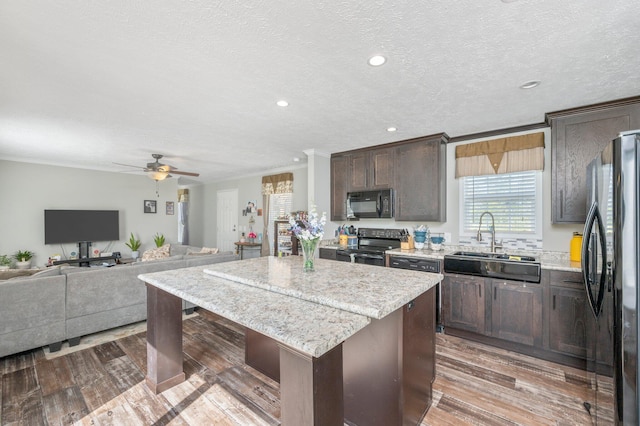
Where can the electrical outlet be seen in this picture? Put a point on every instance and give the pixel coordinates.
(447, 237)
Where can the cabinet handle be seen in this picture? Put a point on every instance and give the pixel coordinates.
(480, 291)
(554, 302)
(561, 203)
(495, 292)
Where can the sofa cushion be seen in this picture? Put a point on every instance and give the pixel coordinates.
(180, 249)
(157, 253)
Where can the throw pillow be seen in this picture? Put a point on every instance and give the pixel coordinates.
(209, 250)
(157, 253)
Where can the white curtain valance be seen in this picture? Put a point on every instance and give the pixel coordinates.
(504, 155)
(277, 184)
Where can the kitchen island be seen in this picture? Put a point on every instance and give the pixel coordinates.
(350, 341)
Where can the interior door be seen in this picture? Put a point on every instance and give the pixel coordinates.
(227, 223)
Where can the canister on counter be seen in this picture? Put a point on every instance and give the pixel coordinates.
(343, 240)
(575, 249)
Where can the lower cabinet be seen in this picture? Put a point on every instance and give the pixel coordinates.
(516, 312)
(327, 253)
(463, 302)
(549, 320)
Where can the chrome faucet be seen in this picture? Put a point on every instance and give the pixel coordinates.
(494, 245)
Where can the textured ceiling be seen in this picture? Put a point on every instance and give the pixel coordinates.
(86, 84)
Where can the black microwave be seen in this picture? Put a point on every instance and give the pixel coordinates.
(370, 204)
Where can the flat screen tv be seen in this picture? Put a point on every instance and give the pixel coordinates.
(73, 226)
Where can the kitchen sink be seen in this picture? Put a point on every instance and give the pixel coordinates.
(493, 265)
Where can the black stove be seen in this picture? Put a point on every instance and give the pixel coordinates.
(372, 245)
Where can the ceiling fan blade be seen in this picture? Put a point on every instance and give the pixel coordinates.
(176, 172)
(129, 165)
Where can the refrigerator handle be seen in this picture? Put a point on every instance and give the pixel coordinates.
(587, 273)
(604, 274)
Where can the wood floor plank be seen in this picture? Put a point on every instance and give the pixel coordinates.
(65, 406)
(194, 407)
(108, 351)
(124, 373)
(54, 375)
(92, 379)
(22, 398)
(135, 347)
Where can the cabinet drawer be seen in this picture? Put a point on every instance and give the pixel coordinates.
(566, 279)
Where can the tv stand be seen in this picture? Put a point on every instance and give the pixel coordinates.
(85, 261)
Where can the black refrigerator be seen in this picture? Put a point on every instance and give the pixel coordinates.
(610, 264)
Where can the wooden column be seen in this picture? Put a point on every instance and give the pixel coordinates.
(311, 388)
(164, 340)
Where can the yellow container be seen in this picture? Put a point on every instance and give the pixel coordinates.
(575, 249)
(343, 239)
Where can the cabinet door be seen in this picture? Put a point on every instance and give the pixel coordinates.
(463, 303)
(381, 163)
(420, 180)
(516, 312)
(359, 169)
(569, 321)
(576, 139)
(339, 182)
(326, 253)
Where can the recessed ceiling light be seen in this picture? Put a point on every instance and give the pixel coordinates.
(282, 103)
(296, 159)
(376, 61)
(530, 84)
(391, 129)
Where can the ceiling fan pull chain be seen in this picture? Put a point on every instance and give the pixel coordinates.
(157, 189)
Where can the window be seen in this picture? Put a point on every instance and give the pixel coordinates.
(514, 200)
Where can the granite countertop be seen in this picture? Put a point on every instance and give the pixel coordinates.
(362, 289)
(309, 327)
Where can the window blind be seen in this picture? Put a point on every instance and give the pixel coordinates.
(511, 198)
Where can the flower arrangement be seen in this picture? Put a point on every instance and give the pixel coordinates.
(309, 231)
(252, 235)
(310, 228)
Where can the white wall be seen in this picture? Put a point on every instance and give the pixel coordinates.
(249, 189)
(28, 189)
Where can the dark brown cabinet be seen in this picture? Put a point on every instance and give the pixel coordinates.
(327, 253)
(415, 169)
(371, 169)
(339, 182)
(577, 136)
(420, 179)
(463, 303)
(516, 312)
(569, 317)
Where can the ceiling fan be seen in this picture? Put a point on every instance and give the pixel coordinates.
(158, 171)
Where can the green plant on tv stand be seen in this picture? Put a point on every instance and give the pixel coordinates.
(133, 243)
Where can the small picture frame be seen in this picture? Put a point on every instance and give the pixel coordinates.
(170, 207)
(150, 206)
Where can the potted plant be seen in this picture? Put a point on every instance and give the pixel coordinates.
(134, 244)
(5, 262)
(23, 259)
(158, 239)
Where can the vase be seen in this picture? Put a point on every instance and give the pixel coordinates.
(308, 252)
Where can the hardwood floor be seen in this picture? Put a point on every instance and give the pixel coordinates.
(104, 385)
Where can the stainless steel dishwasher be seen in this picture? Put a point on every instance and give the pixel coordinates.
(422, 264)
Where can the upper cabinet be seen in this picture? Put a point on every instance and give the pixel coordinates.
(420, 181)
(577, 137)
(415, 169)
(339, 181)
(371, 169)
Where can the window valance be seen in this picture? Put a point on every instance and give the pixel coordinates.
(504, 155)
(277, 184)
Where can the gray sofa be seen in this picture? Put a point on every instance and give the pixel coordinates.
(66, 303)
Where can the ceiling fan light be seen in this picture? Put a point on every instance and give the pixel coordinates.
(158, 175)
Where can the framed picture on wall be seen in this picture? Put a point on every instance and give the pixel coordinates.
(169, 207)
(149, 206)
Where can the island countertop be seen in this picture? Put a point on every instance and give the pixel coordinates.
(362, 289)
(308, 327)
